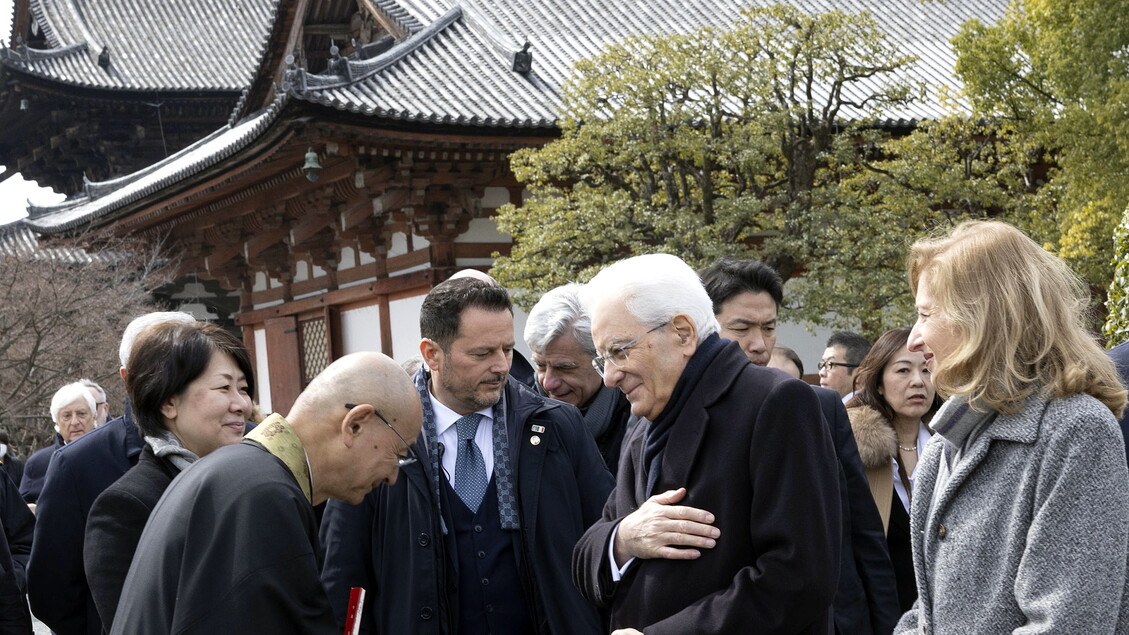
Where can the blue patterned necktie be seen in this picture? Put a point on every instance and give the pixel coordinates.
(470, 469)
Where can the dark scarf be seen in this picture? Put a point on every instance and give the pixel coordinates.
(503, 467)
(658, 431)
(598, 414)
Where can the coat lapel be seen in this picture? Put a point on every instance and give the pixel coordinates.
(689, 431)
(1022, 427)
(528, 446)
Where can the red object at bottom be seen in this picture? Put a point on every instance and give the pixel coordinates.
(353, 613)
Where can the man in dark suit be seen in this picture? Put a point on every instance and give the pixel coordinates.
(79, 471)
(746, 296)
(726, 514)
(1120, 355)
(476, 537)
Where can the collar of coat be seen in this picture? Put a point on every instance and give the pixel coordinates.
(874, 435)
(278, 437)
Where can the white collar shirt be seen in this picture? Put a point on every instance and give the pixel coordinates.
(448, 435)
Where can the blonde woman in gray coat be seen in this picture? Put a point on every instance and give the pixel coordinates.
(1020, 516)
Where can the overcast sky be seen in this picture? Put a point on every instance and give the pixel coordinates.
(15, 191)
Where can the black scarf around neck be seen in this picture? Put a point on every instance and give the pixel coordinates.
(658, 431)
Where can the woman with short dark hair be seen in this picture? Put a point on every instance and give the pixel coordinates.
(190, 388)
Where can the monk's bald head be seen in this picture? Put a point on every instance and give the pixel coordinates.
(359, 378)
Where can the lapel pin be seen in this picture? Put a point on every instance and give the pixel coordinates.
(538, 429)
(535, 440)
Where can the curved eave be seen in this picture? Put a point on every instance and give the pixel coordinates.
(212, 150)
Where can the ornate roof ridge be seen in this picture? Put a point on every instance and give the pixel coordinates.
(343, 71)
(23, 52)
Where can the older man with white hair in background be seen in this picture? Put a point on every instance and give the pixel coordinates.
(72, 412)
(560, 336)
(725, 517)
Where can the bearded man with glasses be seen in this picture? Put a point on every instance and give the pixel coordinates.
(725, 517)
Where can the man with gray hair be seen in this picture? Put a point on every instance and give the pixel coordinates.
(725, 517)
(560, 336)
(101, 405)
(57, 588)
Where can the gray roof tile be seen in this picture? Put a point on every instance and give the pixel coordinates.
(458, 68)
(154, 44)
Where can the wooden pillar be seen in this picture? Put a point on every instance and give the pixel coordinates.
(285, 362)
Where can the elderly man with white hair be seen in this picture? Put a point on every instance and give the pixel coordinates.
(725, 516)
(72, 412)
(560, 336)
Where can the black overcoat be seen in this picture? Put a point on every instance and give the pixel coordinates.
(750, 446)
(114, 527)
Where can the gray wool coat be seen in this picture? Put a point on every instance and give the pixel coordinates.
(1030, 534)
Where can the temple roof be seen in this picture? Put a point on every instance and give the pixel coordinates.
(457, 64)
(455, 67)
(158, 45)
(17, 240)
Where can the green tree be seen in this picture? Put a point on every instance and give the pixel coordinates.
(721, 141)
(1055, 71)
(944, 172)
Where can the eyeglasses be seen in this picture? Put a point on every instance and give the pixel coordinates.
(617, 356)
(830, 366)
(407, 460)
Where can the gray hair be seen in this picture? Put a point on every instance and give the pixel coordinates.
(554, 314)
(143, 322)
(68, 394)
(91, 384)
(654, 288)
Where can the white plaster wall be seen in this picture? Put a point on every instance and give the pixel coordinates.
(404, 316)
(360, 329)
(483, 230)
(405, 328)
(262, 371)
(495, 197)
(807, 345)
(301, 271)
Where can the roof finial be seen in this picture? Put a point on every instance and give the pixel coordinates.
(523, 59)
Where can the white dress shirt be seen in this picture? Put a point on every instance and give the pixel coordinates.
(445, 419)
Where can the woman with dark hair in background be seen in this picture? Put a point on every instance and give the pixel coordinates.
(190, 388)
(894, 399)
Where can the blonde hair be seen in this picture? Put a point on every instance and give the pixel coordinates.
(1017, 314)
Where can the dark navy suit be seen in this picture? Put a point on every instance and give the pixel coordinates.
(79, 472)
(867, 598)
(35, 470)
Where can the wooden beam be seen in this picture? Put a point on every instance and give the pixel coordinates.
(327, 29)
(395, 30)
(284, 361)
(335, 298)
